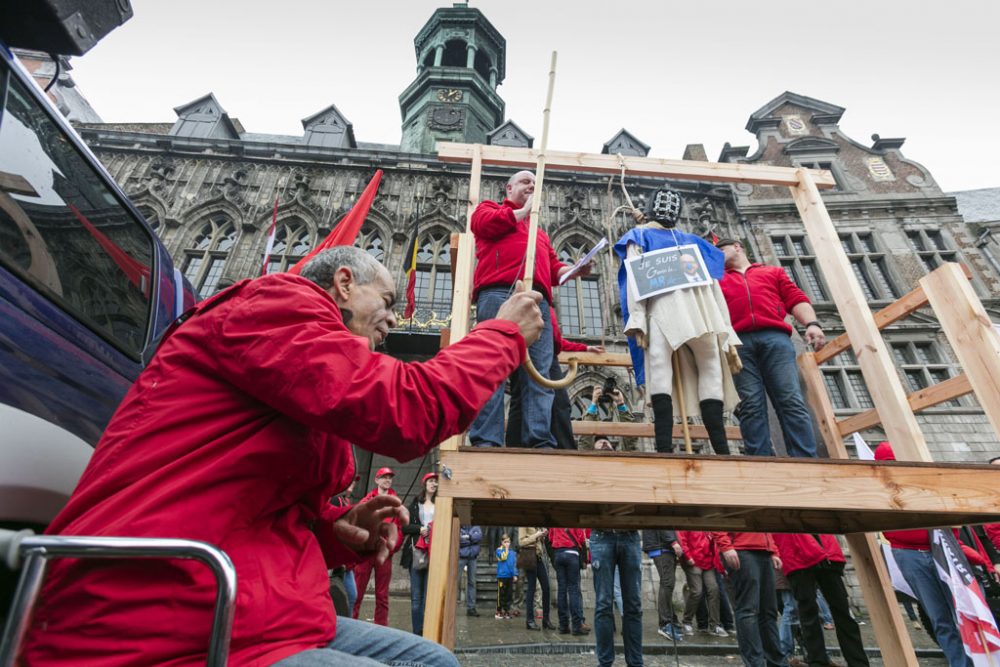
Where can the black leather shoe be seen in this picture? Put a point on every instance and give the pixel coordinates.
(547, 624)
(532, 625)
(564, 631)
(472, 612)
(581, 631)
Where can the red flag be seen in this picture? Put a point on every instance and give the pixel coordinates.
(347, 229)
(137, 273)
(411, 277)
(270, 239)
(715, 239)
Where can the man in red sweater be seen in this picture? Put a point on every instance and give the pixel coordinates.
(816, 561)
(501, 232)
(750, 559)
(759, 299)
(237, 433)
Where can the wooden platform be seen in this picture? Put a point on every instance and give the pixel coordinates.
(518, 487)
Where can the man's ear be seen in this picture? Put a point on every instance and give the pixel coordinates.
(343, 283)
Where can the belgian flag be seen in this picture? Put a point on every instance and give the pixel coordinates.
(411, 277)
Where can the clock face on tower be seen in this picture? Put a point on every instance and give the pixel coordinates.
(449, 95)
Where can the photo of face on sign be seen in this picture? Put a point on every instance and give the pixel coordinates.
(666, 270)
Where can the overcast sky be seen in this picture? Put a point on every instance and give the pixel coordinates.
(672, 73)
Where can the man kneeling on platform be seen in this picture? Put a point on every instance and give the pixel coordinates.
(608, 395)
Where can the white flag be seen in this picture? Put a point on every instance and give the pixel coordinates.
(865, 452)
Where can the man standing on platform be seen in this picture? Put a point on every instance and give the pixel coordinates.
(759, 298)
(383, 571)
(501, 232)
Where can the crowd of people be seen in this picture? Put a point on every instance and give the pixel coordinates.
(239, 433)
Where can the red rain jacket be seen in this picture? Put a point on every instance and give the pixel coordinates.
(698, 547)
(760, 298)
(563, 538)
(501, 246)
(800, 551)
(744, 542)
(237, 434)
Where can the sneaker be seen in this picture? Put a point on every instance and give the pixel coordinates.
(688, 630)
(506, 616)
(828, 626)
(669, 632)
(719, 631)
(472, 612)
(498, 616)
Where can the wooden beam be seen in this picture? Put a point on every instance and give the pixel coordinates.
(644, 430)
(918, 400)
(880, 599)
(765, 492)
(16, 184)
(597, 358)
(895, 311)
(876, 364)
(970, 332)
(526, 158)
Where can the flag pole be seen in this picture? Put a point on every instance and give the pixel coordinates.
(529, 262)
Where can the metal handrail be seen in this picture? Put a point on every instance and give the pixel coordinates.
(38, 550)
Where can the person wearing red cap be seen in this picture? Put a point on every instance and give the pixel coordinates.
(417, 549)
(237, 433)
(383, 571)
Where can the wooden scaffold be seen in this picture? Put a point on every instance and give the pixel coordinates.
(639, 490)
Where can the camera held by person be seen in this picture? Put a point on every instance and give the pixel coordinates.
(607, 394)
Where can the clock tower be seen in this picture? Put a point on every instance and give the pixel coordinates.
(460, 63)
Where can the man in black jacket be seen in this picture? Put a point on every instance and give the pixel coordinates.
(664, 549)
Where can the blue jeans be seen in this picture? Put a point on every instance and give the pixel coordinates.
(351, 587)
(569, 598)
(756, 610)
(919, 572)
(825, 614)
(361, 644)
(789, 619)
(418, 594)
(611, 552)
(470, 581)
(769, 367)
(536, 401)
(540, 577)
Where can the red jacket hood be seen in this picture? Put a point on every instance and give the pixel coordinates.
(760, 298)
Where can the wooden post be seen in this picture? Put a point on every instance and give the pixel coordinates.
(890, 629)
(970, 333)
(439, 606)
(876, 364)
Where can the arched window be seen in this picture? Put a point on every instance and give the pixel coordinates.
(292, 242)
(206, 258)
(580, 312)
(370, 239)
(482, 64)
(454, 54)
(433, 286)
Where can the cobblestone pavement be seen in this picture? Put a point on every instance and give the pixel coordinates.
(486, 642)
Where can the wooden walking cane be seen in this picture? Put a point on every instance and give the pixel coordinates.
(529, 262)
(675, 360)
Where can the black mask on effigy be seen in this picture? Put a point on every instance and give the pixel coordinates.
(664, 207)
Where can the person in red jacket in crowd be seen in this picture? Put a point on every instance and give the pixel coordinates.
(562, 409)
(912, 551)
(816, 561)
(237, 433)
(569, 544)
(992, 530)
(698, 563)
(750, 560)
(759, 298)
(501, 232)
(343, 577)
(383, 570)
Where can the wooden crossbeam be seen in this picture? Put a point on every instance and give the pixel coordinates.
(715, 492)
(644, 430)
(597, 358)
(895, 311)
(918, 400)
(527, 158)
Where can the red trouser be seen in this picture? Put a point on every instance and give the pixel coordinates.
(383, 574)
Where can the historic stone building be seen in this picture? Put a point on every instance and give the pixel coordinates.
(208, 186)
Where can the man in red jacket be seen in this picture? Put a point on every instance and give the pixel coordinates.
(383, 570)
(501, 232)
(816, 561)
(237, 433)
(759, 298)
(750, 560)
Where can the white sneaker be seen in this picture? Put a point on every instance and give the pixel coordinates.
(688, 630)
(719, 631)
